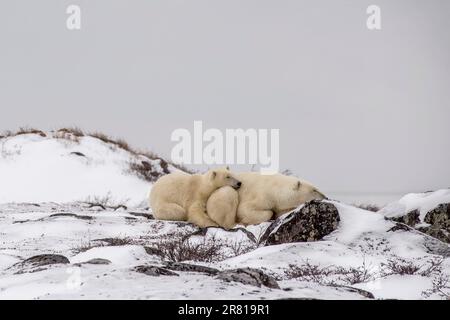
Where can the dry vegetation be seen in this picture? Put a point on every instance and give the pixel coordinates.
(183, 249)
(142, 168)
(340, 276)
(105, 202)
(21, 131)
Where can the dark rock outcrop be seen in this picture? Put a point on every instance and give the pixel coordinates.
(410, 219)
(39, 263)
(439, 217)
(438, 221)
(186, 267)
(45, 259)
(312, 222)
(249, 276)
(154, 271)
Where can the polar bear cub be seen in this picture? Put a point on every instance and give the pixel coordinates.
(181, 196)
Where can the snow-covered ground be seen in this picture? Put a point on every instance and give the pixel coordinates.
(53, 201)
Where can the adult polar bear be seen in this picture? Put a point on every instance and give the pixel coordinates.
(259, 198)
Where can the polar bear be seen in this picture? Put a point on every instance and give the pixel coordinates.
(181, 196)
(260, 198)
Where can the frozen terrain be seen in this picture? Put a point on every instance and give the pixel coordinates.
(77, 201)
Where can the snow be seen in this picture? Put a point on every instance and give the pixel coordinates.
(424, 202)
(43, 211)
(408, 287)
(44, 169)
(80, 240)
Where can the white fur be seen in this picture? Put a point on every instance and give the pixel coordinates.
(260, 198)
(182, 196)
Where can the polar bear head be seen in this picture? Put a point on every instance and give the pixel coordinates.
(223, 177)
(294, 192)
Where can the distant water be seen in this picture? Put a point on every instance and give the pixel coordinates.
(379, 199)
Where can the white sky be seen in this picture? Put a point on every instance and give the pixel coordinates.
(358, 110)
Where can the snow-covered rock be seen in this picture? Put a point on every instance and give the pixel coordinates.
(310, 222)
(427, 212)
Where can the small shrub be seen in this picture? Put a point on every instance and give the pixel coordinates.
(144, 170)
(120, 143)
(441, 287)
(182, 249)
(104, 202)
(26, 130)
(75, 131)
(399, 266)
(106, 242)
(113, 242)
(331, 275)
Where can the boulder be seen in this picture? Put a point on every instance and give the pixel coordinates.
(154, 271)
(45, 259)
(436, 222)
(310, 222)
(187, 267)
(249, 276)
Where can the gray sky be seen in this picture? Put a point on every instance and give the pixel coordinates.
(358, 110)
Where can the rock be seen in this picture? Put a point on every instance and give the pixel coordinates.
(154, 271)
(67, 214)
(364, 293)
(439, 217)
(438, 221)
(141, 214)
(204, 231)
(437, 233)
(76, 153)
(311, 222)
(248, 276)
(178, 266)
(410, 219)
(98, 261)
(45, 259)
(39, 263)
(153, 251)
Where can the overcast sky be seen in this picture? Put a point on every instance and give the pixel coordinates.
(358, 110)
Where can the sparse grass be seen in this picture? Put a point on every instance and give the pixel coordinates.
(27, 130)
(183, 249)
(402, 267)
(6, 134)
(330, 275)
(120, 143)
(113, 242)
(75, 131)
(21, 131)
(441, 287)
(144, 170)
(141, 167)
(105, 202)
(106, 242)
(399, 266)
(341, 276)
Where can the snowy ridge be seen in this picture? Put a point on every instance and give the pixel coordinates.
(61, 167)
